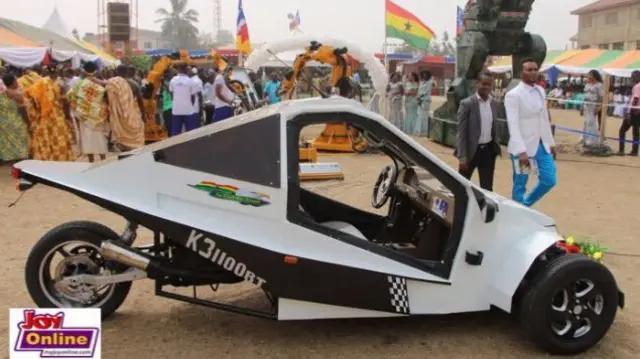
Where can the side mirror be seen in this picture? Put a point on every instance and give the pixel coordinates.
(488, 207)
(489, 211)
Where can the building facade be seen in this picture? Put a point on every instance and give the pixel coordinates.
(609, 25)
(141, 39)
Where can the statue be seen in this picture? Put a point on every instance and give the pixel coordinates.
(492, 28)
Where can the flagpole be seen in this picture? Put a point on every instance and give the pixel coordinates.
(383, 92)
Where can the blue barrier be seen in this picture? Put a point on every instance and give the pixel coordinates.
(568, 129)
(572, 130)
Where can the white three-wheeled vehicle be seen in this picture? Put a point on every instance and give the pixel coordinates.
(226, 206)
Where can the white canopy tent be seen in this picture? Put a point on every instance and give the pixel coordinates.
(30, 56)
(56, 25)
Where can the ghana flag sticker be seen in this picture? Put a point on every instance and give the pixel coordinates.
(233, 193)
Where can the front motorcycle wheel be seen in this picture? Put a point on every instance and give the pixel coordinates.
(72, 249)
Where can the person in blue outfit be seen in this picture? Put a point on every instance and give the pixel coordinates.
(531, 145)
(271, 89)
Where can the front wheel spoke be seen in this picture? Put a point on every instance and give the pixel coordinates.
(559, 316)
(586, 292)
(563, 328)
(63, 252)
(576, 324)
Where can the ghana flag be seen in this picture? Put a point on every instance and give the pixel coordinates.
(402, 24)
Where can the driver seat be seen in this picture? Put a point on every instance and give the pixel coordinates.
(345, 228)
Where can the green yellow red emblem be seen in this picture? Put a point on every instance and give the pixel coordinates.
(233, 193)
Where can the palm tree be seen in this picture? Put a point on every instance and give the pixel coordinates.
(178, 24)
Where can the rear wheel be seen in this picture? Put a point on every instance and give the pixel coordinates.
(570, 305)
(71, 249)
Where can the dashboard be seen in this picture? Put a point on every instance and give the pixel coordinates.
(427, 193)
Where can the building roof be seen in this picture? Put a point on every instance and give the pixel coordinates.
(40, 36)
(147, 33)
(602, 5)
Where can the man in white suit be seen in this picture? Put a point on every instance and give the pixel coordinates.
(531, 145)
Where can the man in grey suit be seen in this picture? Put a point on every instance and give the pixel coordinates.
(476, 145)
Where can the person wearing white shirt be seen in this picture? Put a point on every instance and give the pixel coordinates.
(222, 99)
(197, 108)
(531, 144)
(208, 97)
(183, 92)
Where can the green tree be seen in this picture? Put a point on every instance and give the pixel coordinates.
(178, 24)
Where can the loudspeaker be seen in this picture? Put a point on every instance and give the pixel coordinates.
(118, 21)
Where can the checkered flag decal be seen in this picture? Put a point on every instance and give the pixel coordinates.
(399, 294)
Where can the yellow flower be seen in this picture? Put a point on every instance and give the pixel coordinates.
(597, 255)
(570, 240)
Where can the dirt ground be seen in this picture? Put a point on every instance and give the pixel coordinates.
(595, 197)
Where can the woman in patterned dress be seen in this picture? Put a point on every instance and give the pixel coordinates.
(30, 77)
(411, 103)
(395, 92)
(593, 94)
(424, 102)
(50, 132)
(14, 130)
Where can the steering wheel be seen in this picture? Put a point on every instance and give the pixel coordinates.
(382, 188)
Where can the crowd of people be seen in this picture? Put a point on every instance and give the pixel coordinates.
(531, 146)
(587, 97)
(409, 102)
(59, 114)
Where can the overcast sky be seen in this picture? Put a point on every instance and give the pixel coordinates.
(358, 21)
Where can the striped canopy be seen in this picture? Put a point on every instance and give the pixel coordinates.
(9, 38)
(588, 58)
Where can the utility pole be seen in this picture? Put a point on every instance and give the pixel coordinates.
(217, 20)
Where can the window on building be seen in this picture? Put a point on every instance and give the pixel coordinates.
(617, 46)
(148, 45)
(586, 21)
(584, 47)
(603, 46)
(611, 18)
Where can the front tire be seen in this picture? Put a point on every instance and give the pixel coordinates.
(570, 305)
(84, 258)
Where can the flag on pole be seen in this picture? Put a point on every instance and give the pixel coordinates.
(242, 33)
(404, 25)
(294, 24)
(459, 20)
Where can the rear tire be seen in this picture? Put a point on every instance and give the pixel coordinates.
(89, 234)
(570, 305)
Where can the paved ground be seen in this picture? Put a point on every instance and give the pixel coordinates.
(595, 197)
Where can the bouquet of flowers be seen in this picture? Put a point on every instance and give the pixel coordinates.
(590, 249)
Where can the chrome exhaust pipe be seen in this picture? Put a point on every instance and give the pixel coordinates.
(118, 253)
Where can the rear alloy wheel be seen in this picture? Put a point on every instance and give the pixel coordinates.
(570, 305)
(72, 249)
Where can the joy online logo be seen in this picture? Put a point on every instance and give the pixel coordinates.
(45, 333)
